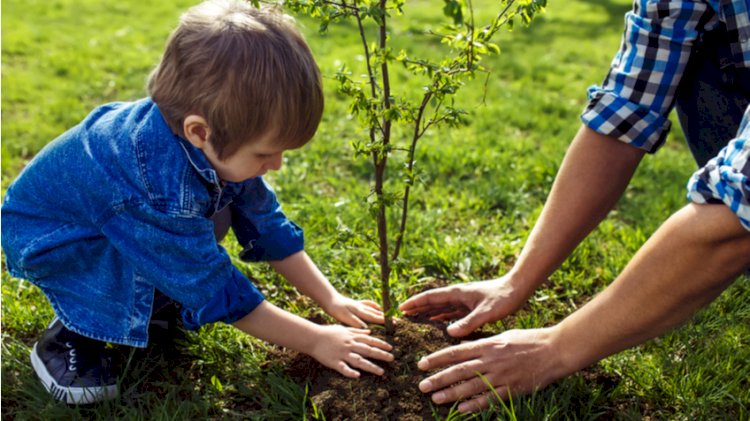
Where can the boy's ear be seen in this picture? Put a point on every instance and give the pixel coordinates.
(196, 130)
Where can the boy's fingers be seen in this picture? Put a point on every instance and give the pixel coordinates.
(354, 322)
(370, 352)
(372, 316)
(347, 371)
(369, 340)
(358, 361)
(375, 319)
(362, 331)
(367, 310)
(371, 303)
(358, 322)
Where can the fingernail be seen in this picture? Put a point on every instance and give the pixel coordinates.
(422, 364)
(425, 386)
(438, 397)
(464, 408)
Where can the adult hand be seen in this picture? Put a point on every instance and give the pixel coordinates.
(352, 312)
(516, 361)
(346, 349)
(473, 303)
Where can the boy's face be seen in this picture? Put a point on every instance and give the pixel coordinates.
(251, 160)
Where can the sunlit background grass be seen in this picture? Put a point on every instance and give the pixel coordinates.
(481, 188)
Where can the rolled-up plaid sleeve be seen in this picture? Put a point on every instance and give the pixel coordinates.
(633, 102)
(726, 178)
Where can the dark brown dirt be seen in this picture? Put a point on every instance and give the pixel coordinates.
(393, 396)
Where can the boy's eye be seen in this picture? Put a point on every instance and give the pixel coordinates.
(263, 155)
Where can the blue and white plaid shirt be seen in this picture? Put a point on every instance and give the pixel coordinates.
(635, 99)
(638, 93)
(726, 178)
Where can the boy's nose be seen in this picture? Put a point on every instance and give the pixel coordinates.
(274, 162)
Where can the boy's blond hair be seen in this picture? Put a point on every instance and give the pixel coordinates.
(248, 72)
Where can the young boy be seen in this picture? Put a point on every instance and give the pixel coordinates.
(131, 203)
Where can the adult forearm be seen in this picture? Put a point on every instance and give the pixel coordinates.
(694, 256)
(595, 172)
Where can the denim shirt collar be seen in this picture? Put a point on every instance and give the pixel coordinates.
(200, 163)
(203, 167)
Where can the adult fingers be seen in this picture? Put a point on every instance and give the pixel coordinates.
(483, 401)
(448, 356)
(358, 361)
(450, 315)
(434, 311)
(460, 391)
(428, 299)
(428, 310)
(452, 376)
(471, 322)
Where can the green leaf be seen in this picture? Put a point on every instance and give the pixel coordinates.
(217, 383)
(453, 10)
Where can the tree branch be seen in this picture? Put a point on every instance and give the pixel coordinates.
(412, 150)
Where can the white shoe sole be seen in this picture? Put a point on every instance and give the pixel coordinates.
(71, 395)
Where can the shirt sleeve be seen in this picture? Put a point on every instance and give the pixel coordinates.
(633, 102)
(261, 227)
(180, 257)
(726, 178)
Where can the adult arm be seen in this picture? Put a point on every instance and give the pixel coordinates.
(632, 106)
(594, 173)
(690, 259)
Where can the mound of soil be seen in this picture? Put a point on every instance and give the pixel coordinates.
(394, 396)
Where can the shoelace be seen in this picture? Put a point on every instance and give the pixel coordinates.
(71, 356)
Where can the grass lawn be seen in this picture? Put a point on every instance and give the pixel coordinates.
(481, 188)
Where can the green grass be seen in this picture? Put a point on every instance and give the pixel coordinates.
(481, 189)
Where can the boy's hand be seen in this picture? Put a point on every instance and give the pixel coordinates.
(346, 349)
(354, 313)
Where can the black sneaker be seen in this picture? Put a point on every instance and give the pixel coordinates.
(73, 368)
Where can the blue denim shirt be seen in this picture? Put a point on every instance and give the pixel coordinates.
(119, 205)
